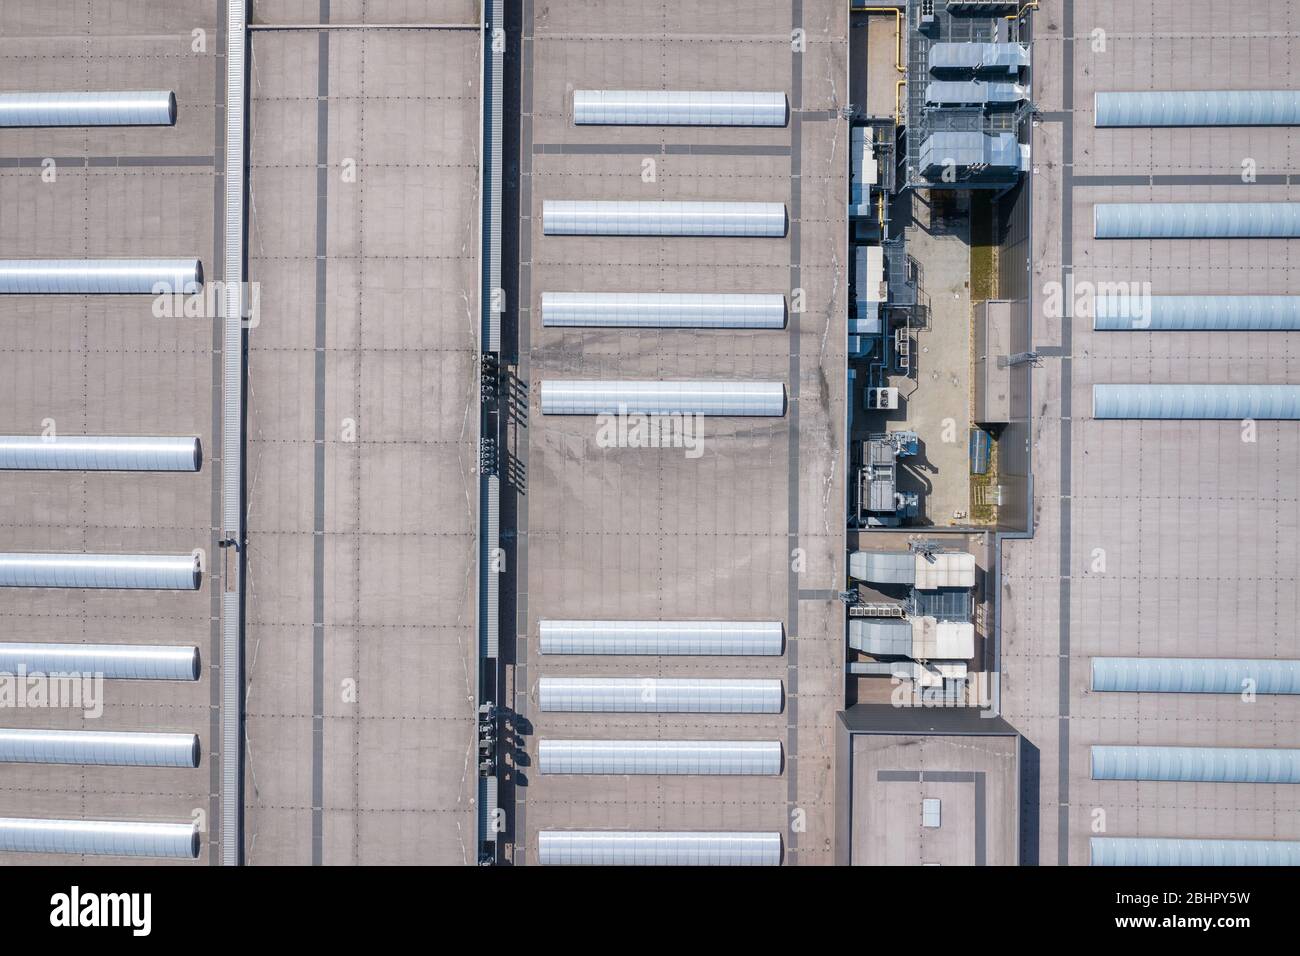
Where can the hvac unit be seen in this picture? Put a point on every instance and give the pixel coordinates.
(882, 399)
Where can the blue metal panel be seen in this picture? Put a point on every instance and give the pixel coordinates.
(981, 450)
(1133, 851)
(968, 7)
(1198, 108)
(1197, 402)
(943, 604)
(1193, 220)
(1197, 313)
(1177, 675)
(489, 824)
(1196, 764)
(490, 571)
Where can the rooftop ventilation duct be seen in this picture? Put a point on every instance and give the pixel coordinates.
(654, 848)
(99, 748)
(1196, 313)
(100, 838)
(1198, 108)
(1196, 764)
(659, 695)
(92, 453)
(167, 572)
(663, 310)
(131, 108)
(110, 661)
(100, 276)
(730, 638)
(1196, 220)
(677, 108)
(974, 93)
(762, 399)
(704, 757)
(1197, 402)
(1178, 675)
(1135, 851)
(648, 218)
(963, 57)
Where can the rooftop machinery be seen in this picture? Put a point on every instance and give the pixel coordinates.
(494, 723)
(878, 502)
(962, 103)
(968, 94)
(874, 342)
(875, 347)
(927, 634)
(870, 181)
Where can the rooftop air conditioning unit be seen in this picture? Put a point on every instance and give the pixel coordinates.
(884, 399)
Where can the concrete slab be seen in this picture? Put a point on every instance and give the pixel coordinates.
(974, 780)
(362, 517)
(935, 394)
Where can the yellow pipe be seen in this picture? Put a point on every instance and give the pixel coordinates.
(1031, 5)
(898, 64)
(898, 30)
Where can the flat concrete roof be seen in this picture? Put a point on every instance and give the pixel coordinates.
(373, 12)
(1151, 538)
(935, 394)
(105, 365)
(650, 533)
(974, 779)
(362, 443)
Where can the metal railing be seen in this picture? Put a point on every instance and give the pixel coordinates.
(232, 450)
